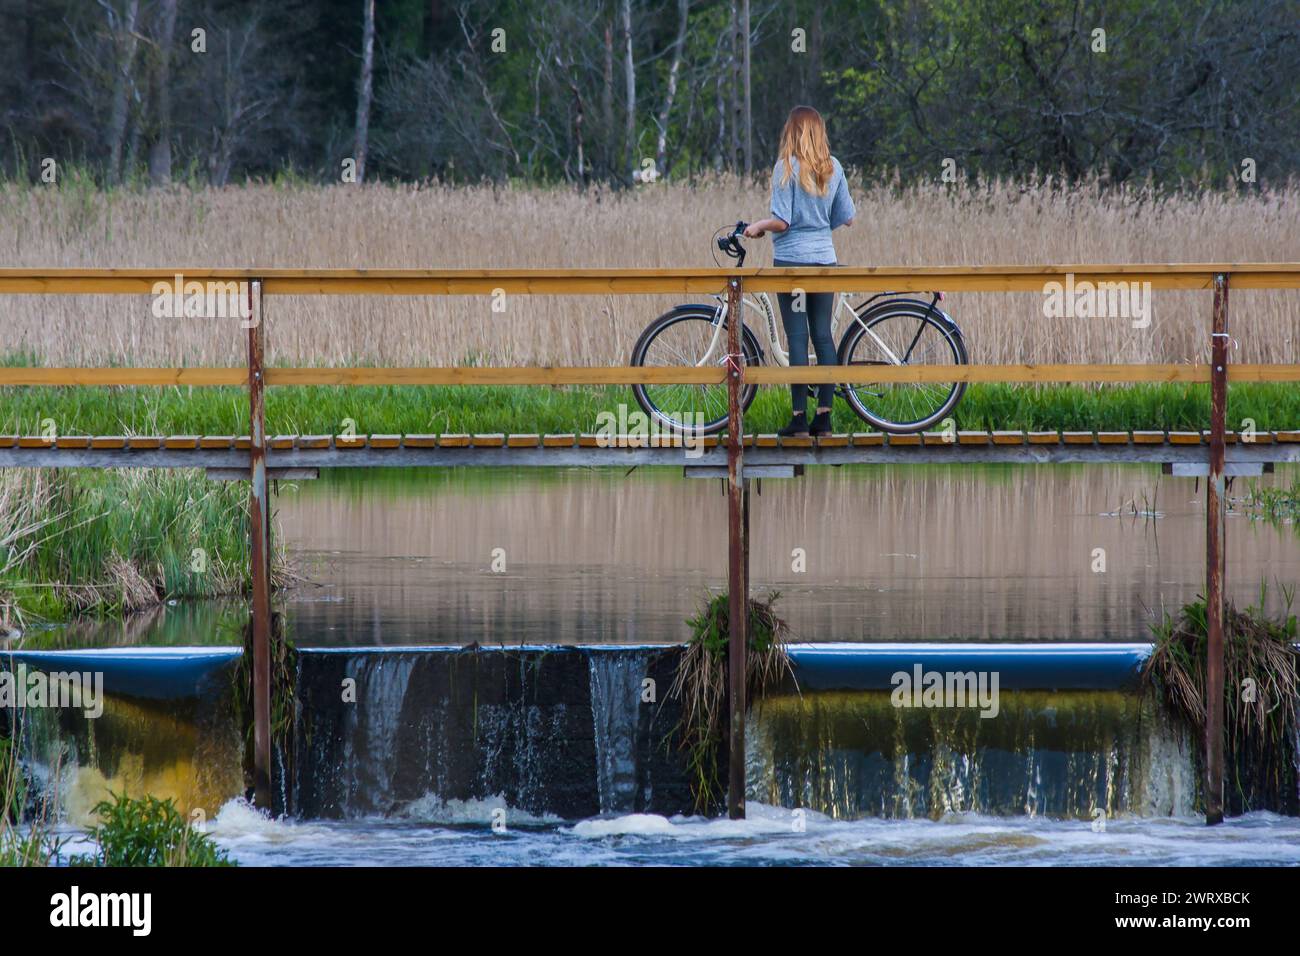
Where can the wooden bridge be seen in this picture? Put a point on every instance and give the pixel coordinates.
(1215, 452)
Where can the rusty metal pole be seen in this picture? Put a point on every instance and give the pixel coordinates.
(259, 524)
(1215, 528)
(737, 546)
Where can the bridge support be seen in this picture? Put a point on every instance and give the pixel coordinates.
(1215, 548)
(737, 554)
(259, 526)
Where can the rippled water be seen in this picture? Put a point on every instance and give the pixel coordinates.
(769, 836)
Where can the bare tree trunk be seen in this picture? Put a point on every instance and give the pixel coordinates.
(365, 86)
(607, 100)
(123, 30)
(661, 147)
(749, 117)
(160, 152)
(630, 83)
(735, 160)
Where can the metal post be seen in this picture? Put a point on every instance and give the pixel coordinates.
(1215, 513)
(737, 586)
(260, 535)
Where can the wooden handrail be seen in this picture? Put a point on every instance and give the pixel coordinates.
(629, 375)
(991, 278)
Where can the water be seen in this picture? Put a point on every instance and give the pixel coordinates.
(562, 751)
(767, 837)
(986, 553)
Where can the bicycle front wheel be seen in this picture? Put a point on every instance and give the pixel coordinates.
(902, 333)
(689, 336)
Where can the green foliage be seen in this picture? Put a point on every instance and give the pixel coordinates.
(701, 684)
(415, 409)
(111, 541)
(1261, 694)
(148, 832)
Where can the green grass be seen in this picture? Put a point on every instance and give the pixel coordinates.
(469, 409)
(148, 832)
(108, 542)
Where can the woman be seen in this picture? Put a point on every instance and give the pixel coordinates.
(809, 199)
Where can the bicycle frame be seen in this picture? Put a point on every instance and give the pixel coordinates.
(762, 304)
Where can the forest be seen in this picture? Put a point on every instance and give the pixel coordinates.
(211, 92)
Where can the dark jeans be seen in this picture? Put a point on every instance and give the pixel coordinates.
(815, 319)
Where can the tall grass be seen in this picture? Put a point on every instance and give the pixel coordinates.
(385, 225)
(316, 410)
(114, 541)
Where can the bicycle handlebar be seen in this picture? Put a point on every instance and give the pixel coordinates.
(731, 245)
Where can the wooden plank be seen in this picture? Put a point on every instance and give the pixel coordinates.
(559, 441)
(282, 442)
(181, 442)
(1008, 438)
(144, 441)
(938, 438)
(385, 441)
(793, 441)
(1287, 436)
(1148, 438)
(243, 443)
(453, 441)
(419, 441)
(351, 442)
(523, 441)
(8, 441)
(1078, 438)
(72, 441)
(907, 440)
(216, 441)
(1044, 438)
(590, 441)
(35, 441)
(1112, 438)
(488, 441)
(108, 441)
(868, 438)
(628, 375)
(1261, 438)
(1184, 438)
(766, 441)
(1027, 278)
(973, 438)
(838, 440)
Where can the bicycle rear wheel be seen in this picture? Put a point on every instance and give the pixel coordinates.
(683, 337)
(903, 332)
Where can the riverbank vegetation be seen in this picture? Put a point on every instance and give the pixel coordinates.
(701, 685)
(109, 542)
(408, 409)
(1261, 695)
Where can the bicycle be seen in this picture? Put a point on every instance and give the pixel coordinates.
(885, 329)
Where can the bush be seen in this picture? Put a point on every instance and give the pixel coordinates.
(148, 832)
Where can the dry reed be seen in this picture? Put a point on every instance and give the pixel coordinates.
(403, 226)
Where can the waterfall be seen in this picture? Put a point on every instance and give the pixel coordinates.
(616, 678)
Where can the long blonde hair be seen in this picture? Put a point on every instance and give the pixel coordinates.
(804, 139)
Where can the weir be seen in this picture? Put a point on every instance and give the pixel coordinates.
(550, 733)
(250, 455)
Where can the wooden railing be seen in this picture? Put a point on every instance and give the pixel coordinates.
(260, 283)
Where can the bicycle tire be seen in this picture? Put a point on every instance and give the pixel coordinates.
(658, 401)
(879, 404)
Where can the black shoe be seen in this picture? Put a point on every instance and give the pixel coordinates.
(821, 424)
(798, 427)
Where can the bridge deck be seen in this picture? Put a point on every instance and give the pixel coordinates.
(531, 450)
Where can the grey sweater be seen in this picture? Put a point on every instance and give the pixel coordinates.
(811, 218)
